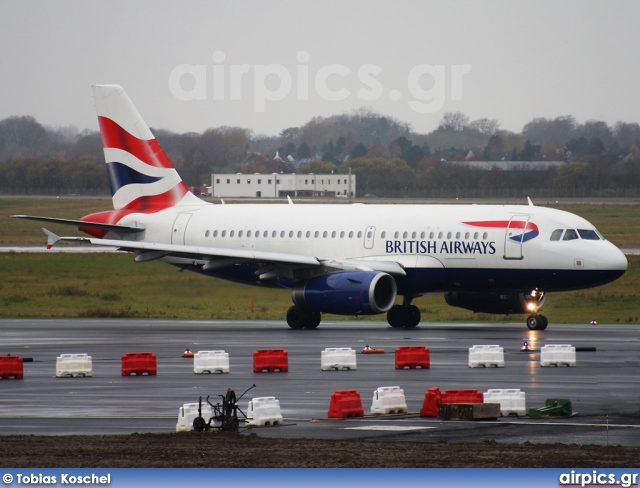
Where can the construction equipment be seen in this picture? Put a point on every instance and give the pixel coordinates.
(225, 415)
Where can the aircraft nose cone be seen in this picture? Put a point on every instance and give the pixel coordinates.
(612, 259)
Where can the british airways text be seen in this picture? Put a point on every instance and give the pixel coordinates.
(444, 247)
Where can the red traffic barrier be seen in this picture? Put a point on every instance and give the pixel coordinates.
(270, 360)
(345, 404)
(431, 403)
(462, 396)
(139, 363)
(412, 357)
(11, 367)
(434, 398)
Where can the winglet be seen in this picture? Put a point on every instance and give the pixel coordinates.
(290, 201)
(530, 202)
(51, 238)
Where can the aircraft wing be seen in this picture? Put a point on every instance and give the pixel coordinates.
(122, 229)
(220, 257)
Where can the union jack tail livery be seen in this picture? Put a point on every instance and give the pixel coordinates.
(141, 177)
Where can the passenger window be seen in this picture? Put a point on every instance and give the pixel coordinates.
(316, 234)
(359, 234)
(396, 235)
(556, 234)
(274, 233)
(240, 233)
(457, 235)
(248, 233)
(290, 233)
(231, 233)
(422, 235)
(281, 233)
(570, 235)
(448, 235)
(430, 235)
(439, 235)
(466, 236)
(299, 234)
(206, 234)
(413, 235)
(324, 234)
(215, 233)
(341, 234)
(333, 234)
(351, 234)
(485, 236)
(475, 236)
(257, 233)
(369, 234)
(224, 233)
(266, 233)
(308, 233)
(589, 235)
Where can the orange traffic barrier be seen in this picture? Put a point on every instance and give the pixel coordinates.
(412, 357)
(139, 363)
(270, 360)
(345, 404)
(11, 367)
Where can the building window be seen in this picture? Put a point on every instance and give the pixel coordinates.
(277, 182)
(268, 182)
(228, 181)
(306, 182)
(218, 180)
(238, 181)
(259, 182)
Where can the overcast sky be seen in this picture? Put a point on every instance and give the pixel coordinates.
(413, 60)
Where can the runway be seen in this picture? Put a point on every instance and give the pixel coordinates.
(604, 387)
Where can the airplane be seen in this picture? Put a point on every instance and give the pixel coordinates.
(345, 259)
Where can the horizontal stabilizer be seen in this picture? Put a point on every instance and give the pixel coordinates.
(121, 229)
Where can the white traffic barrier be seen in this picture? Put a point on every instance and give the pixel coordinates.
(188, 412)
(338, 358)
(510, 400)
(264, 411)
(557, 355)
(74, 365)
(211, 362)
(486, 356)
(388, 399)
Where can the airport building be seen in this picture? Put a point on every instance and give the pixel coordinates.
(282, 185)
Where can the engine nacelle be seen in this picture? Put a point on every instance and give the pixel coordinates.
(347, 293)
(499, 303)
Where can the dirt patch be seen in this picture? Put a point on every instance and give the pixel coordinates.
(216, 449)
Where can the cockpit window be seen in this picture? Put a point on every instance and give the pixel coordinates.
(556, 234)
(570, 235)
(590, 235)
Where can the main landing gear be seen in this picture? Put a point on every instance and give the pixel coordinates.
(537, 322)
(300, 318)
(405, 316)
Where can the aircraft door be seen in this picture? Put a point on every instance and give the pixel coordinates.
(514, 236)
(369, 235)
(179, 228)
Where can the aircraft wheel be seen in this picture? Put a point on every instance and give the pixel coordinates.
(413, 318)
(395, 316)
(544, 322)
(296, 317)
(535, 322)
(313, 320)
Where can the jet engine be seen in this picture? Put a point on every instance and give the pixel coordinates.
(499, 303)
(347, 293)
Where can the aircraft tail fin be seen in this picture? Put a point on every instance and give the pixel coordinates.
(141, 177)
